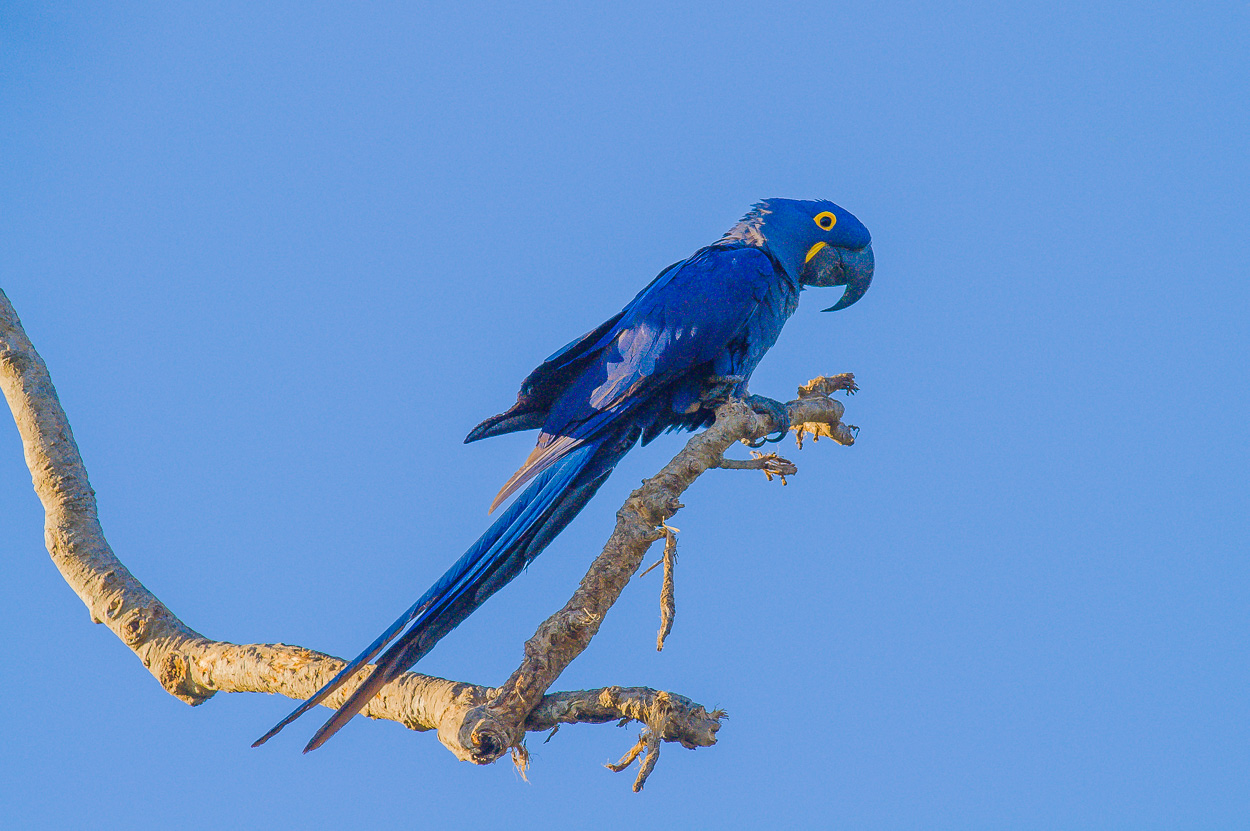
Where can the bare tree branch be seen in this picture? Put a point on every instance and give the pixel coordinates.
(498, 725)
(475, 722)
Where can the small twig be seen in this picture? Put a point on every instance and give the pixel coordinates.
(667, 605)
(654, 733)
(770, 463)
(648, 761)
(648, 743)
(630, 755)
(652, 567)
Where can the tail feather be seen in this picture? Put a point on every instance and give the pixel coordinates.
(512, 541)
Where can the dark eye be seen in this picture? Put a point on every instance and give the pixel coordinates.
(825, 220)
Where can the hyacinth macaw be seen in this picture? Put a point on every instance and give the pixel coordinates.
(688, 340)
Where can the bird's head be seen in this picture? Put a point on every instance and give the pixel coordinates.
(816, 242)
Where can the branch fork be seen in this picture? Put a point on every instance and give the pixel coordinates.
(477, 723)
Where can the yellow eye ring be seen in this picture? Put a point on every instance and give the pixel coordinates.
(826, 220)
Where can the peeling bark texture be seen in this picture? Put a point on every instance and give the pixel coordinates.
(476, 723)
(494, 727)
(668, 589)
(770, 463)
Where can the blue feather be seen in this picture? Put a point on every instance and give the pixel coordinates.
(644, 371)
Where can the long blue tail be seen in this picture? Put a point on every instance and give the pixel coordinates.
(512, 541)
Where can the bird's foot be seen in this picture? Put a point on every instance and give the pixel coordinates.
(773, 409)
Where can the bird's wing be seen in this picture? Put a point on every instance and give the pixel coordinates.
(681, 321)
(550, 379)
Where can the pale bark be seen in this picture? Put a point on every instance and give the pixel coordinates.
(475, 722)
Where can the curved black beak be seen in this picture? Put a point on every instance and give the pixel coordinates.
(831, 266)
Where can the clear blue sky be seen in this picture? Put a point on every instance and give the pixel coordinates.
(280, 258)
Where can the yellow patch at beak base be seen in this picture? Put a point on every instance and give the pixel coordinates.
(813, 251)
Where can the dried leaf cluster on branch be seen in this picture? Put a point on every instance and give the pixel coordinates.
(476, 723)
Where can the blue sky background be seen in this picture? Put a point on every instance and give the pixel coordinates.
(280, 258)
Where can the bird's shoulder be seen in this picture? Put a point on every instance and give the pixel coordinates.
(722, 272)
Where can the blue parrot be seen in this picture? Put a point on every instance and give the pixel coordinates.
(689, 339)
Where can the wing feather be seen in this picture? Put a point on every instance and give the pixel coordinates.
(685, 319)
